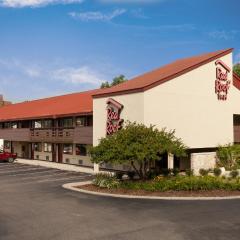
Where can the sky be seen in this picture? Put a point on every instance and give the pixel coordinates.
(54, 47)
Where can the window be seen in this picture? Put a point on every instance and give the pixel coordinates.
(81, 121)
(47, 147)
(46, 123)
(37, 147)
(81, 149)
(66, 122)
(14, 125)
(67, 149)
(7, 125)
(38, 124)
(7, 144)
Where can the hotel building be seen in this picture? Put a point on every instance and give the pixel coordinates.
(197, 96)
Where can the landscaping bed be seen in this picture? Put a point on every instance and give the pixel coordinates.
(139, 192)
(175, 186)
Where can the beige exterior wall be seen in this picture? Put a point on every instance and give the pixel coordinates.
(132, 111)
(205, 160)
(74, 159)
(46, 156)
(189, 105)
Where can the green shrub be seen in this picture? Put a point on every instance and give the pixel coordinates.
(217, 172)
(234, 173)
(152, 174)
(184, 183)
(119, 175)
(131, 174)
(175, 172)
(228, 156)
(189, 172)
(104, 180)
(203, 172)
(166, 172)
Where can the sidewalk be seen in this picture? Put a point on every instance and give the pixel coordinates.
(61, 166)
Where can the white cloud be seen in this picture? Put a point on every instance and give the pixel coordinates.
(34, 3)
(223, 35)
(97, 16)
(77, 75)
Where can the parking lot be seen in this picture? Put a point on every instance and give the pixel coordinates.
(34, 206)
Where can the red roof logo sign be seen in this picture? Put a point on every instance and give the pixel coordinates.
(114, 122)
(222, 84)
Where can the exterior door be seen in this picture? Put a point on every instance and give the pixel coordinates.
(54, 152)
(60, 152)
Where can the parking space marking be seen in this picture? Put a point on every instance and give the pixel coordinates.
(47, 175)
(61, 179)
(48, 171)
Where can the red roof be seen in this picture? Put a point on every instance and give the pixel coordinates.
(70, 104)
(163, 74)
(82, 103)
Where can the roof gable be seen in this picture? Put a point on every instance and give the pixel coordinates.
(161, 75)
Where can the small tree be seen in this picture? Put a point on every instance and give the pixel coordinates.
(138, 146)
(236, 69)
(228, 156)
(117, 80)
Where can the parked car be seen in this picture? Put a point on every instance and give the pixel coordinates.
(9, 157)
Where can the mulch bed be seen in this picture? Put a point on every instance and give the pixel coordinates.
(201, 193)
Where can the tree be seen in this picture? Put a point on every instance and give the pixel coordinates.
(228, 156)
(117, 80)
(138, 146)
(236, 69)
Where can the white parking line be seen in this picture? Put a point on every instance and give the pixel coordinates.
(62, 179)
(20, 170)
(48, 171)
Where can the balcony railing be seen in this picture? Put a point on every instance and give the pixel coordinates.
(15, 134)
(82, 135)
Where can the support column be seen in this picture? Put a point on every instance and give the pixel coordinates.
(170, 161)
(96, 168)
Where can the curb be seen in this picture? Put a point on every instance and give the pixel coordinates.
(60, 166)
(72, 187)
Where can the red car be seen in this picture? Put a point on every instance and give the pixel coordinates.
(9, 157)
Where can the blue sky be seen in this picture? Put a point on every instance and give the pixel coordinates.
(53, 47)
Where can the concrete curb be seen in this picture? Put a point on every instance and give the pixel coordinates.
(72, 186)
(54, 165)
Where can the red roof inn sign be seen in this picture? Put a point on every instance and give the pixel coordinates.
(222, 83)
(114, 122)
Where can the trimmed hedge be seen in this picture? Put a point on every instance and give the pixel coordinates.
(177, 183)
(184, 183)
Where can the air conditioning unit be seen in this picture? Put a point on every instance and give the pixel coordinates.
(80, 162)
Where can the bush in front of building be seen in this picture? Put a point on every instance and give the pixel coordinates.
(138, 146)
(183, 183)
(217, 172)
(189, 172)
(203, 172)
(234, 173)
(228, 156)
(105, 180)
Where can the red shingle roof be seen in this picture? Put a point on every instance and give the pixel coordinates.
(82, 103)
(70, 104)
(163, 74)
